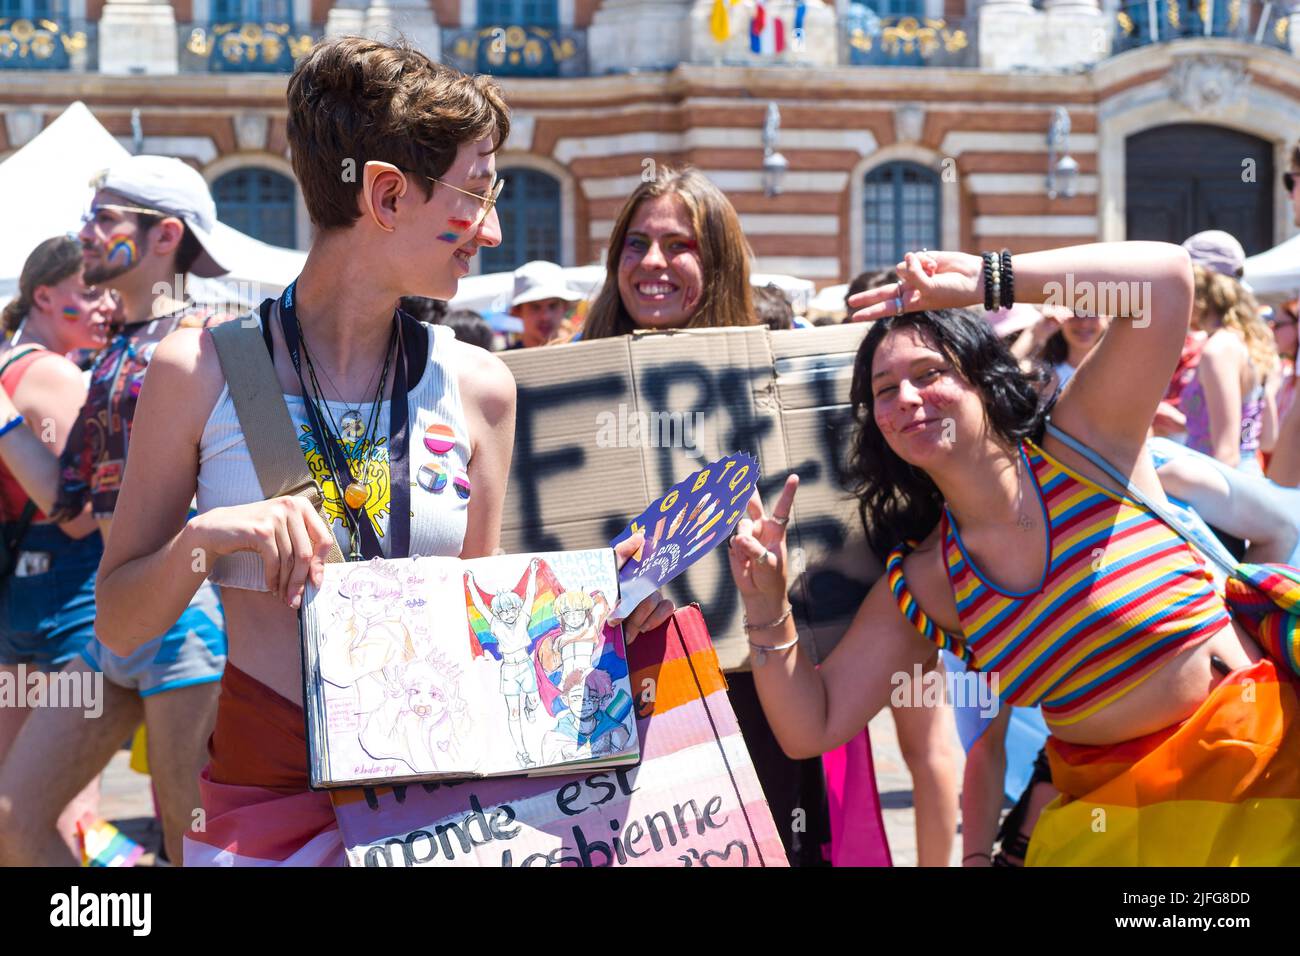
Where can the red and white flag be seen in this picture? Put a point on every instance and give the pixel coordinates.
(766, 31)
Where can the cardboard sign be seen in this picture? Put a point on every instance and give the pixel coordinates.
(693, 801)
(694, 517)
(604, 428)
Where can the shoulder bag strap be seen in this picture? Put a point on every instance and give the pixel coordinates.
(263, 415)
(1220, 555)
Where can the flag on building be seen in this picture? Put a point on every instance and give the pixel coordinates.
(720, 21)
(766, 31)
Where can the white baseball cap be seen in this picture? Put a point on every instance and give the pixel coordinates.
(538, 280)
(175, 189)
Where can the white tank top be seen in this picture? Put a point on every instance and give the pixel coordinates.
(438, 459)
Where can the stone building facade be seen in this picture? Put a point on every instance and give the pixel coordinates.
(904, 123)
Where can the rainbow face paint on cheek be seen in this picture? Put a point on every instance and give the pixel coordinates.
(460, 227)
(71, 314)
(123, 249)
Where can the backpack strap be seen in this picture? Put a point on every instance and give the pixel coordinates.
(263, 416)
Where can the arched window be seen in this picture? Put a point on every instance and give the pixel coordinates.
(529, 209)
(259, 203)
(901, 209)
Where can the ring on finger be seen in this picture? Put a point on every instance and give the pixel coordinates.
(765, 556)
(781, 521)
(898, 303)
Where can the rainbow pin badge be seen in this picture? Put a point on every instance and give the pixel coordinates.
(432, 477)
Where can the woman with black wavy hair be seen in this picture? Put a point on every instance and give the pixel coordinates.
(1035, 550)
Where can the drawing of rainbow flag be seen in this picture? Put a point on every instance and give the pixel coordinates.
(103, 844)
(541, 623)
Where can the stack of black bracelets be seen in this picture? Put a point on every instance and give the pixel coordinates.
(999, 284)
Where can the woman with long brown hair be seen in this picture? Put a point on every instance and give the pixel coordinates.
(47, 581)
(677, 259)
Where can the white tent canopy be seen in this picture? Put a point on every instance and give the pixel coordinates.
(46, 189)
(1277, 271)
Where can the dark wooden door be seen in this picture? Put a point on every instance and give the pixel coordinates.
(1187, 177)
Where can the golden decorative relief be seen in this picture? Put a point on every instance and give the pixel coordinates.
(23, 39)
(1125, 23)
(909, 35)
(249, 42)
(515, 45)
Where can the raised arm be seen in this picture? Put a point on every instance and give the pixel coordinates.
(1146, 286)
(472, 587)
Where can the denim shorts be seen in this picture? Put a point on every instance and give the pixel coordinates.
(48, 619)
(192, 651)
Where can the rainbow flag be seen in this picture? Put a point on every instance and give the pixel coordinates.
(541, 622)
(1222, 788)
(1265, 598)
(103, 844)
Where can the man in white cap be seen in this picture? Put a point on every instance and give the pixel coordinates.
(541, 300)
(150, 223)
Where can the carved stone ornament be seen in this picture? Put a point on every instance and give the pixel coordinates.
(909, 122)
(1208, 84)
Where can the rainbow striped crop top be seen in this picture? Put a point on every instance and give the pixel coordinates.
(1121, 594)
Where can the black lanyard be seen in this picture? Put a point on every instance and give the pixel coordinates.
(412, 353)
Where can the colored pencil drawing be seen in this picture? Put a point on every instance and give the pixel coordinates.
(510, 639)
(594, 721)
(550, 641)
(423, 721)
(369, 636)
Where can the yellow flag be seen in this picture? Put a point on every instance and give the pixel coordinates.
(720, 22)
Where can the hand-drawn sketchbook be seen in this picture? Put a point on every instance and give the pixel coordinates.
(418, 669)
(693, 800)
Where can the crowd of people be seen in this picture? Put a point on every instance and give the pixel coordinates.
(1096, 509)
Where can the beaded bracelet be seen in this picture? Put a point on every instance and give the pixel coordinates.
(1008, 283)
(10, 425)
(988, 281)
